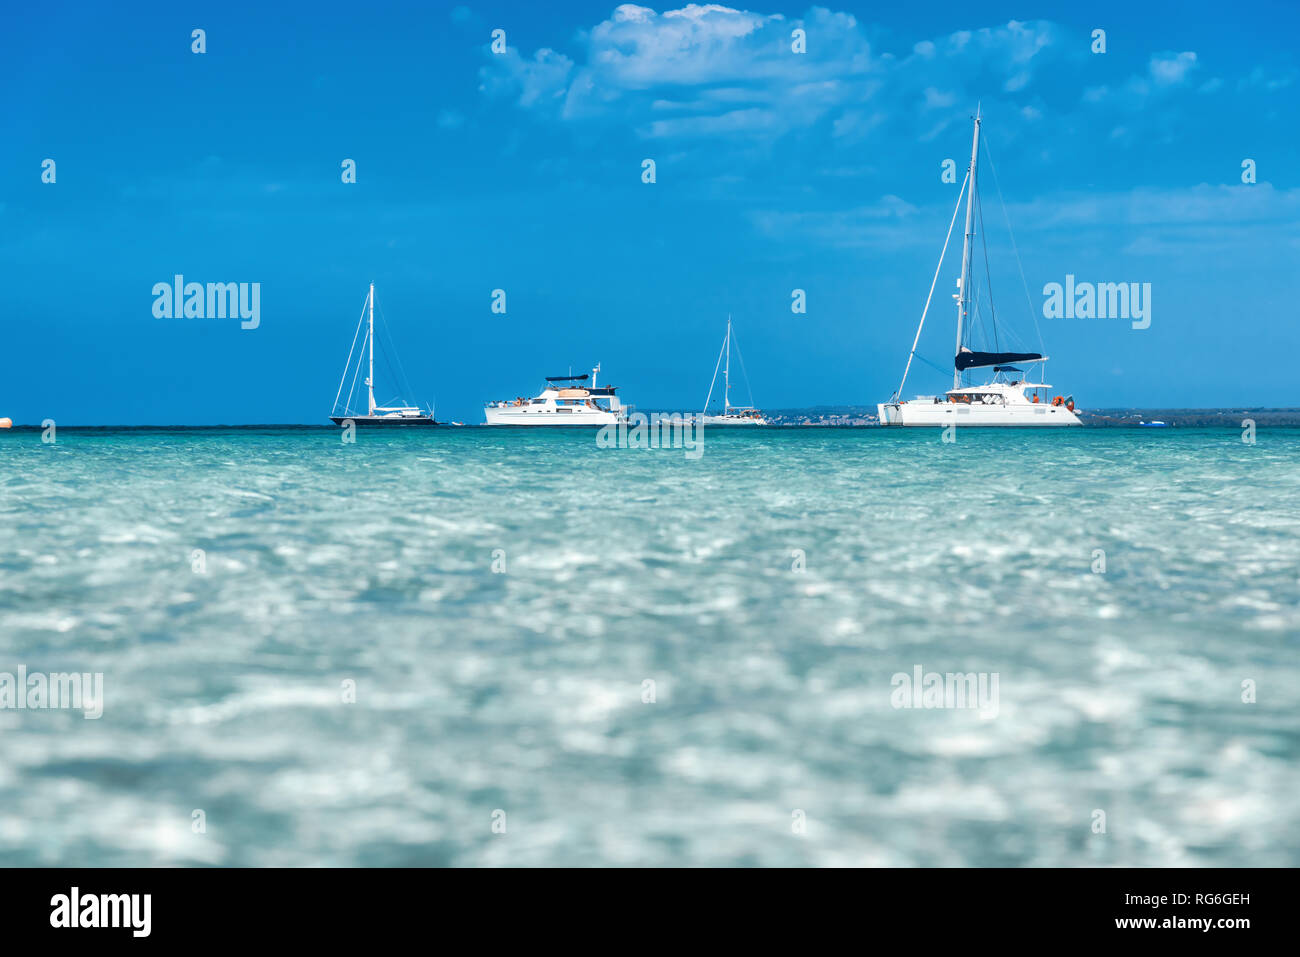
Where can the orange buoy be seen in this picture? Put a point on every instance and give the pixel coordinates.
(6, 423)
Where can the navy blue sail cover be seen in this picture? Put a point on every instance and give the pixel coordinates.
(967, 359)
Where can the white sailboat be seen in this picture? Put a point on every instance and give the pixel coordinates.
(1008, 397)
(731, 414)
(343, 410)
(565, 400)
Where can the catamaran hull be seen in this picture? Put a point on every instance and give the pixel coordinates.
(373, 421)
(1035, 415)
(518, 415)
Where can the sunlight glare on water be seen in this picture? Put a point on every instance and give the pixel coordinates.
(521, 688)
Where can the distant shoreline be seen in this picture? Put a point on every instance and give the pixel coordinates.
(814, 417)
(851, 416)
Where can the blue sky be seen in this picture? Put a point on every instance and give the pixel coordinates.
(522, 171)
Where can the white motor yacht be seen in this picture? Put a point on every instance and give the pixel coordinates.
(566, 400)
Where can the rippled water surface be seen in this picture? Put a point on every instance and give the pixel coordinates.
(501, 600)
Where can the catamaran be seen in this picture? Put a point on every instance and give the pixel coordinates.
(1008, 397)
(731, 414)
(375, 414)
(565, 400)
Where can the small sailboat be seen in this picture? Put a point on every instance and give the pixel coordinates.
(1008, 397)
(381, 415)
(730, 414)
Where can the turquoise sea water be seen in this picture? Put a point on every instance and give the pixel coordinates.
(771, 737)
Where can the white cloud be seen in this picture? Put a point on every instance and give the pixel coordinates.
(540, 81)
(1212, 216)
(721, 76)
(1166, 73)
(1258, 79)
(711, 70)
(887, 223)
(1168, 69)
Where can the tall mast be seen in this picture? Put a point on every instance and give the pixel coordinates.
(726, 373)
(963, 284)
(370, 379)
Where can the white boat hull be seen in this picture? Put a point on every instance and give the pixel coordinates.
(541, 416)
(384, 421)
(1028, 415)
(732, 420)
